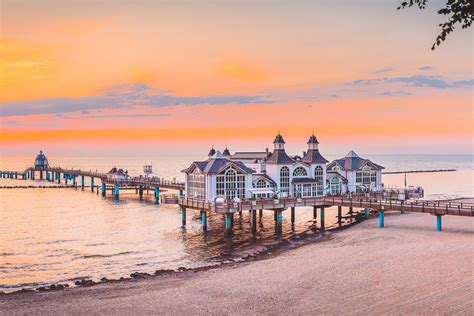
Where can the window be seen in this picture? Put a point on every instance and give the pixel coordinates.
(261, 184)
(285, 179)
(197, 185)
(300, 172)
(241, 186)
(318, 174)
(365, 177)
(334, 186)
(230, 185)
(220, 185)
(320, 189)
(307, 189)
(373, 176)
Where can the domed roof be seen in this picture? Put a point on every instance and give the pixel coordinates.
(41, 162)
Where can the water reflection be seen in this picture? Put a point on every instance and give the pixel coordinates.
(56, 235)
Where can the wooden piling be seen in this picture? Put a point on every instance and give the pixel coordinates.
(339, 215)
(204, 220)
(183, 216)
(254, 220)
(322, 217)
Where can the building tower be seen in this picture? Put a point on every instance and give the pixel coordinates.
(226, 152)
(211, 153)
(41, 162)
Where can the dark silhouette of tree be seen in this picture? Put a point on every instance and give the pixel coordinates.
(458, 11)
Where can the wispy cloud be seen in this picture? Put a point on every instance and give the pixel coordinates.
(464, 83)
(101, 116)
(415, 81)
(425, 68)
(395, 93)
(383, 70)
(123, 96)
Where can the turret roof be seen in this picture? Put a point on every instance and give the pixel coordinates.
(314, 156)
(279, 139)
(279, 156)
(212, 152)
(313, 140)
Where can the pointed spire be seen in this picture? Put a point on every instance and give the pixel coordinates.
(226, 152)
(211, 152)
(352, 154)
(279, 139)
(313, 139)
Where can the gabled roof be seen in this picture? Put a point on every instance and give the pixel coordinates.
(279, 156)
(258, 176)
(314, 156)
(332, 174)
(353, 162)
(216, 165)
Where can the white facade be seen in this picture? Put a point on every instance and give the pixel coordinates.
(218, 177)
(247, 175)
(362, 175)
(117, 174)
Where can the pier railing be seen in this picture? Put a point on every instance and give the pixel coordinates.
(147, 183)
(432, 207)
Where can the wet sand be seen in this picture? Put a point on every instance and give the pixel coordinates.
(406, 267)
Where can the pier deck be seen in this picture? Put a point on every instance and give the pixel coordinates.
(432, 207)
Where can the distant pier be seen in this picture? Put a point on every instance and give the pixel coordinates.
(418, 171)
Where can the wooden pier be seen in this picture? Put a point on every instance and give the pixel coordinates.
(374, 202)
(370, 203)
(72, 176)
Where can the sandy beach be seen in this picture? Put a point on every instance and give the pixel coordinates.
(406, 267)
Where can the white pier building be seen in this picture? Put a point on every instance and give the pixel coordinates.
(246, 175)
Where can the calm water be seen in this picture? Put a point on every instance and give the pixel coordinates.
(59, 235)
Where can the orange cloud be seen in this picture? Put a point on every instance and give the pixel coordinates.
(22, 64)
(242, 71)
(142, 75)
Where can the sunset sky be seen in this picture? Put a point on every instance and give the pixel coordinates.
(360, 74)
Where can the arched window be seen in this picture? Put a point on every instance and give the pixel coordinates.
(261, 184)
(230, 179)
(318, 174)
(300, 172)
(285, 179)
(230, 184)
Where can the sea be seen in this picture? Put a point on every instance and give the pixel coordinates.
(62, 235)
